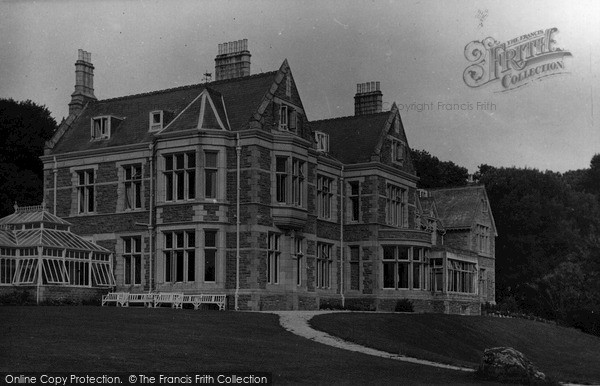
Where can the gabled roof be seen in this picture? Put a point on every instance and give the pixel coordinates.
(353, 139)
(241, 98)
(27, 215)
(458, 207)
(14, 231)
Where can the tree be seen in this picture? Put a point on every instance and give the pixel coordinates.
(434, 173)
(24, 129)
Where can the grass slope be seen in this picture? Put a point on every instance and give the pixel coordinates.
(563, 353)
(166, 340)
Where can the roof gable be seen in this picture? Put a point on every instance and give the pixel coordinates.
(458, 207)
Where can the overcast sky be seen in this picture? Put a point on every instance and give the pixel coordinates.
(414, 48)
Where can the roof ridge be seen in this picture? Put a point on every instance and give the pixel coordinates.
(458, 187)
(186, 87)
(349, 116)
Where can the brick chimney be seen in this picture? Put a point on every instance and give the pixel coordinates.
(84, 82)
(233, 60)
(367, 99)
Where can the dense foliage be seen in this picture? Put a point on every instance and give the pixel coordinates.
(548, 245)
(434, 173)
(24, 128)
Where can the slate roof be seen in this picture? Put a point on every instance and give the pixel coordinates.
(457, 207)
(242, 97)
(353, 139)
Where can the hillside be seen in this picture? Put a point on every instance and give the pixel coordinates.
(565, 354)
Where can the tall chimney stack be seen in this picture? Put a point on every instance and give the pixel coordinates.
(233, 60)
(84, 82)
(368, 98)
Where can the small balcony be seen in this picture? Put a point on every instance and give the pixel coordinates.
(289, 217)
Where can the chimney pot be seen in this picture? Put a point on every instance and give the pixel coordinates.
(368, 98)
(233, 60)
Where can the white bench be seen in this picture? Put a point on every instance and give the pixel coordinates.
(119, 298)
(146, 299)
(172, 298)
(197, 300)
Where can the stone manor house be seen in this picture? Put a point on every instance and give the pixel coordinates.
(225, 187)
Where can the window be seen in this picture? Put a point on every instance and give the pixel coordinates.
(355, 267)
(395, 205)
(210, 174)
(281, 174)
(287, 118)
(461, 276)
(288, 86)
(323, 265)
(298, 255)
(403, 267)
(132, 260)
(156, 120)
(483, 238)
(100, 128)
(322, 141)
(180, 256)
(283, 118)
(133, 187)
(210, 255)
(85, 191)
(354, 200)
(180, 176)
(273, 258)
(297, 182)
(398, 150)
(436, 268)
(324, 196)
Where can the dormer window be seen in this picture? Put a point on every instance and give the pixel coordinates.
(156, 120)
(100, 128)
(322, 140)
(283, 118)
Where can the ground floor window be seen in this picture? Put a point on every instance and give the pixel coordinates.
(324, 265)
(180, 256)
(436, 269)
(404, 267)
(273, 258)
(298, 255)
(354, 267)
(461, 276)
(132, 260)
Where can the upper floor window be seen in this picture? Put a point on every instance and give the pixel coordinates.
(180, 256)
(287, 118)
(324, 196)
(354, 199)
(281, 175)
(210, 174)
(86, 191)
(273, 258)
(322, 141)
(395, 206)
(398, 150)
(100, 127)
(132, 260)
(180, 176)
(297, 182)
(483, 238)
(156, 120)
(133, 187)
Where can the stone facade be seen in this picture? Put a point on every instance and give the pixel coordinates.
(303, 208)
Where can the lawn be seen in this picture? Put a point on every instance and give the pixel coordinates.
(563, 353)
(165, 340)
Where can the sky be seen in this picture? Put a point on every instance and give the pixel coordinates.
(416, 49)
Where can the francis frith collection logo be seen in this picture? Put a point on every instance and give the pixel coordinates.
(516, 62)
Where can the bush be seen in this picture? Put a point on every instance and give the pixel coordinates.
(404, 305)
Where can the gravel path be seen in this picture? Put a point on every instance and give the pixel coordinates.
(297, 323)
